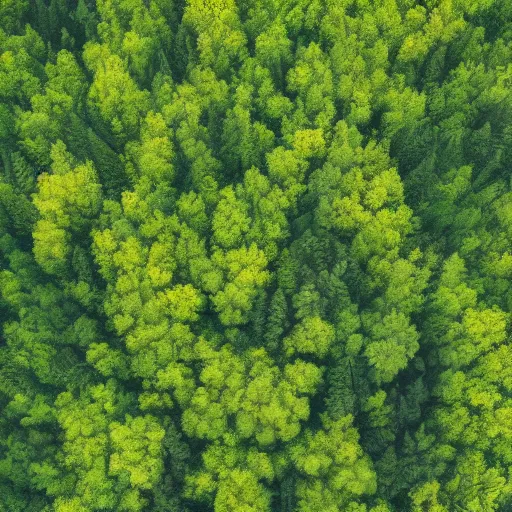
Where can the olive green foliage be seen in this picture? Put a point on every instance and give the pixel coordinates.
(255, 256)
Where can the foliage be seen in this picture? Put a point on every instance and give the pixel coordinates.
(255, 255)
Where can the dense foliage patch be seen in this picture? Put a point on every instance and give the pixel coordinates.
(255, 256)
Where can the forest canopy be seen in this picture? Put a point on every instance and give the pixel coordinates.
(255, 256)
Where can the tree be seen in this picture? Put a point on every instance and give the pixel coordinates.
(114, 100)
(67, 201)
(255, 255)
(333, 470)
(220, 41)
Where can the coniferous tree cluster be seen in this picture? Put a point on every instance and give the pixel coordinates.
(255, 256)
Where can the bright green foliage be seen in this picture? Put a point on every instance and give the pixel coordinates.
(393, 342)
(236, 475)
(240, 492)
(255, 256)
(332, 467)
(266, 404)
(67, 201)
(244, 271)
(311, 336)
(153, 156)
(215, 26)
(114, 99)
(45, 123)
(135, 31)
(230, 222)
(85, 424)
(137, 452)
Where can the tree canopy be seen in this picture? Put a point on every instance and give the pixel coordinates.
(255, 256)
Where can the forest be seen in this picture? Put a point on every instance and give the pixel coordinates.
(255, 255)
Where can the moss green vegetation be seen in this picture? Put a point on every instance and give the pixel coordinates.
(255, 255)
